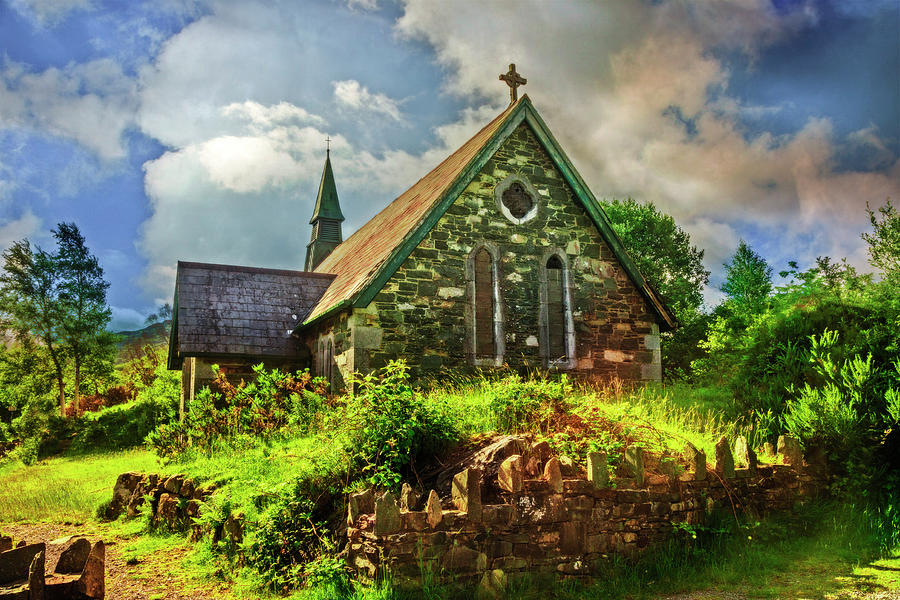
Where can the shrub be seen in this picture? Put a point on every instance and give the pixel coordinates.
(524, 404)
(391, 426)
(272, 404)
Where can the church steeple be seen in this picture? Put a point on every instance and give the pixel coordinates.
(326, 219)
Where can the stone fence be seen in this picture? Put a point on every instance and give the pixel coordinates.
(553, 520)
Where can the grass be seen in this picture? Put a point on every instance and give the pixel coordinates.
(65, 489)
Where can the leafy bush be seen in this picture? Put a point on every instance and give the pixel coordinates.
(272, 404)
(391, 426)
(523, 404)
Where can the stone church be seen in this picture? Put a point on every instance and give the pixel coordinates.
(501, 255)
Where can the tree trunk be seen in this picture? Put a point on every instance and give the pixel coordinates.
(77, 387)
(60, 382)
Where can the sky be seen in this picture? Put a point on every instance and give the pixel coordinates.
(195, 130)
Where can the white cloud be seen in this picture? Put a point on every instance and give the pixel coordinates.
(91, 103)
(357, 97)
(49, 12)
(612, 81)
(15, 230)
(363, 4)
(126, 319)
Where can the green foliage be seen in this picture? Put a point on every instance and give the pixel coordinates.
(748, 281)
(391, 426)
(665, 256)
(521, 404)
(884, 241)
(273, 404)
(662, 251)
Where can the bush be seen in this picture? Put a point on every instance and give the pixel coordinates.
(274, 403)
(524, 404)
(391, 426)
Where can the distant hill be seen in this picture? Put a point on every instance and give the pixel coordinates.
(156, 334)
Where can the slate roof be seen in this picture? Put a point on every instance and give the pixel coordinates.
(363, 262)
(240, 311)
(356, 261)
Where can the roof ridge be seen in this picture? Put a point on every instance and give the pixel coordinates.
(247, 269)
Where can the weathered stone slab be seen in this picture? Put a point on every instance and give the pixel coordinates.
(387, 515)
(697, 461)
(409, 499)
(553, 475)
(724, 459)
(634, 460)
(433, 509)
(466, 493)
(360, 503)
(597, 469)
(73, 557)
(744, 455)
(511, 474)
(789, 449)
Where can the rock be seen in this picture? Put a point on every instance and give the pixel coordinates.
(597, 470)
(634, 460)
(92, 583)
(360, 503)
(36, 577)
(14, 564)
(461, 558)
(541, 451)
(6, 543)
(187, 489)
(567, 466)
(409, 499)
(573, 568)
(769, 449)
(167, 509)
(553, 475)
(724, 459)
(697, 461)
(789, 449)
(233, 528)
(511, 474)
(74, 556)
(123, 490)
(173, 484)
(433, 510)
(387, 515)
(466, 493)
(533, 466)
(492, 586)
(744, 455)
(487, 460)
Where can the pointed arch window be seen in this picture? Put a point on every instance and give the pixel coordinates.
(484, 311)
(557, 326)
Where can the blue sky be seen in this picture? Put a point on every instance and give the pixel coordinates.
(189, 130)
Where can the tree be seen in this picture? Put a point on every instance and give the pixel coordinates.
(663, 253)
(748, 281)
(59, 301)
(884, 241)
(82, 297)
(29, 304)
(665, 256)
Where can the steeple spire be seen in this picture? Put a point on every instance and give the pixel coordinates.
(326, 219)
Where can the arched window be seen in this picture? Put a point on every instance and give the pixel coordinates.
(556, 310)
(329, 361)
(484, 312)
(557, 326)
(485, 346)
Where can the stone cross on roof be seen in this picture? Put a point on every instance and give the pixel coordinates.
(513, 80)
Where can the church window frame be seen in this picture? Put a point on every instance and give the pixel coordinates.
(496, 360)
(529, 189)
(559, 362)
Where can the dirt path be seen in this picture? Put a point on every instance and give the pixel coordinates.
(156, 576)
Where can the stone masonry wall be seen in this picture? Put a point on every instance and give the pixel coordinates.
(551, 523)
(420, 314)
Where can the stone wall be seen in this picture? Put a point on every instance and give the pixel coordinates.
(548, 522)
(174, 500)
(421, 313)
